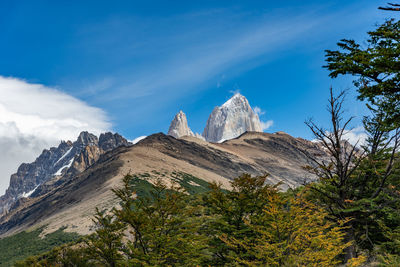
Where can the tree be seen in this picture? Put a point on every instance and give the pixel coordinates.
(164, 228)
(376, 67)
(228, 212)
(290, 232)
(105, 244)
(374, 187)
(357, 184)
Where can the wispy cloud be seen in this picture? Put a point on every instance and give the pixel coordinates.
(155, 63)
(259, 111)
(195, 49)
(34, 117)
(265, 125)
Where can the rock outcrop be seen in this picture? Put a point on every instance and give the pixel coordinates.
(179, 126)
(232, 119)
(69, 157)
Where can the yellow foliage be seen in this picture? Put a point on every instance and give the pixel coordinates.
(291, 232)
(355, 262)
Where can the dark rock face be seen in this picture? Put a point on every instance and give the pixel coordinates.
(109, 141)
(71, 191)
(67, 158)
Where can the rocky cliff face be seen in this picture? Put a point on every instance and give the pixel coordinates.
(232, 119)
(179, 126)
(69, 157)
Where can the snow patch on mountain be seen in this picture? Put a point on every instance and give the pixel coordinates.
(63, 156)
(59, 172)
(28, 194)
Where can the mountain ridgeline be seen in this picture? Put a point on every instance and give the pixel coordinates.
(64, 185)
(57, 163)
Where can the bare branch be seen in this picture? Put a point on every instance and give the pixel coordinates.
(390, 164)
(389, 8)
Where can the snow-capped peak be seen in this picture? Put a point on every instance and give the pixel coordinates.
(234, 100)
(231, 120)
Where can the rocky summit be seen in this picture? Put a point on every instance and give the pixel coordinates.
(66, 160)
(179, 126)
(232, 119)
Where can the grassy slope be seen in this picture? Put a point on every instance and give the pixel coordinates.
(190, 183)
(25, 244)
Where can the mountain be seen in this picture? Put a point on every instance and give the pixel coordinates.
(190, 161)
(231, 120)
(58, 163)
(179, 126)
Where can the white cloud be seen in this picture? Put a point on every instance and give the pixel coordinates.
(34, 117)
(234, 92)
(355, 135)
(259, 111)
(266, 124)
(137, 139)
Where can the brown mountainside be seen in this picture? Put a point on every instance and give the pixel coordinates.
(72, 202)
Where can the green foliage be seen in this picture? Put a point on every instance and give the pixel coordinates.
(290, 232)
(253, 224)
(228, 211)
(105, 244)
(140, 185)
(25, 244)
(164, 227)
(66, 255)
(376, 67)
(359, 184)
(190, 183)
(389, 260)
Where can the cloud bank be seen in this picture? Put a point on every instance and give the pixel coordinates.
(34, 117)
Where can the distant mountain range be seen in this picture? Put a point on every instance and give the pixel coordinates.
(62, 187)
(56, 164)
(228, 121)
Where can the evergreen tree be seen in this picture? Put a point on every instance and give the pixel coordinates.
(164, 228)
(376, 67)
(228, 212)
(105, 244)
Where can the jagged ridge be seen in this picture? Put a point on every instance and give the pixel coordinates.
(68, 159)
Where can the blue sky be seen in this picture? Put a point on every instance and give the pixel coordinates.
(142, 62)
